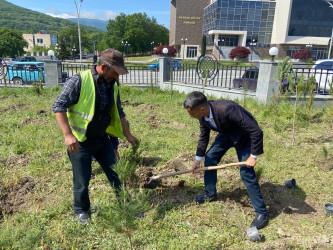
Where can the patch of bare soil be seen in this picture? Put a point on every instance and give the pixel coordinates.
(14, 198)
(153, 121)
(34, 121)
(16, 107)
(143, 108)
(21, 160)
(7, 97)
(42, 112)
(326, 165)
(178, 125)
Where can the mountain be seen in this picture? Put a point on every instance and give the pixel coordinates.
(29, 21)
(96, 23)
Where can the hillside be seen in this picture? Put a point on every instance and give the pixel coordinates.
(28, 21)
(96, 23)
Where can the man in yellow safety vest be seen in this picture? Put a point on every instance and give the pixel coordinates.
(88, 109)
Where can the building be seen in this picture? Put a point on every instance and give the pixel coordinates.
(186, 22)
(42, 40)
(290, 25)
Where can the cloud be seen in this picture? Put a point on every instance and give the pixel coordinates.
(106, 15)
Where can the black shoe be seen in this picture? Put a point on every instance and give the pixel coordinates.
(260, 221)
(83, 217)
(204, 197)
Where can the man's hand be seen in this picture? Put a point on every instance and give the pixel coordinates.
(195, 165)
(72, 143)
(251, 162)
(132, 140)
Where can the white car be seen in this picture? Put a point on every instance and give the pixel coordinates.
(323, 72)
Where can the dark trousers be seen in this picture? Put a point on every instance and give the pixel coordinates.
(103, 152)
(214, 156)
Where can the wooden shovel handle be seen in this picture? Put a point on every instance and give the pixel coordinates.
(199, 169)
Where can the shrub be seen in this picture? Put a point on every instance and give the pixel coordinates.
(239, 52)
(159, 50)
(302, 54)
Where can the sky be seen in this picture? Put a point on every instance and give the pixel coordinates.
(100, 9)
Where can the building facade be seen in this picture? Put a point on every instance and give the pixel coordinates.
(42, 40)
(290, 25)
(186, 22)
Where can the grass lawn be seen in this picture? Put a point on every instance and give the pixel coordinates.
(36, 179)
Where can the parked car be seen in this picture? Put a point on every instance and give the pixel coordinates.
(8, 61)
(156, 66)
(249, 78)
(28, 72)
(28, 59)
(323, 73)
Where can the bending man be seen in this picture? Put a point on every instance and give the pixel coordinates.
(237, 128)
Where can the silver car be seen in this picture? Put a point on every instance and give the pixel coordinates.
(323, 72)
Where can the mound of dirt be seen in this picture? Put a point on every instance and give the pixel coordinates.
(14, 107)
(31, 121)
(178, 125)
(21, 160)
(13, 198)
(153, 121)
(143, 108)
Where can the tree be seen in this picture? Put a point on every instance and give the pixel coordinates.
(303, 54)
(69, 38)
(203, 44)
(11, 42)
(239, 52)
(159, 50)
(138, 30)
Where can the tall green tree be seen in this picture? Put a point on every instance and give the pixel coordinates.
(69, 39)
(11, 42)
(138, 30)
(203, 44)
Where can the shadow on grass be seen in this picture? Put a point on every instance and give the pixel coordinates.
(278, 198)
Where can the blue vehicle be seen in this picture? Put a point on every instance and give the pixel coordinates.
(156, 66)
(28, 72)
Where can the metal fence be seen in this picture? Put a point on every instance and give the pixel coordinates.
(322, 77)
(138, 74)
(229, 76)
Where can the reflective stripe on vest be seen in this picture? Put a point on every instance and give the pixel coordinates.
(80, 114)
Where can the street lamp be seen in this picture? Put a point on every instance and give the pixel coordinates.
(151, 47)
(273, 52)
(219, 45)
(124, 44)
(73, 52)
(309, 45)
(184, 41)
(78, 27)
(252, 43)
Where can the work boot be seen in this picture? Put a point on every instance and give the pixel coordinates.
(201, 198)
(260, 221)
(83, 217)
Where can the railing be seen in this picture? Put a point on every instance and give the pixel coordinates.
(226, 77)
(138, 75)
(323, 77)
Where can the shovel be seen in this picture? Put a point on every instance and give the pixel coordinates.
(198, 169)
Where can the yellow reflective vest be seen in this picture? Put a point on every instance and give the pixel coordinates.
(81, 114)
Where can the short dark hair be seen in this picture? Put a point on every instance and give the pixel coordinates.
(195, 99)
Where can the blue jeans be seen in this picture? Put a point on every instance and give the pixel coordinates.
(103, 152)
(212, 158)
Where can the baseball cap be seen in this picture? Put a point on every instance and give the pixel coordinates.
(115, 59)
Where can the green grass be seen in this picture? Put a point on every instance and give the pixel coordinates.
(32, 146)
